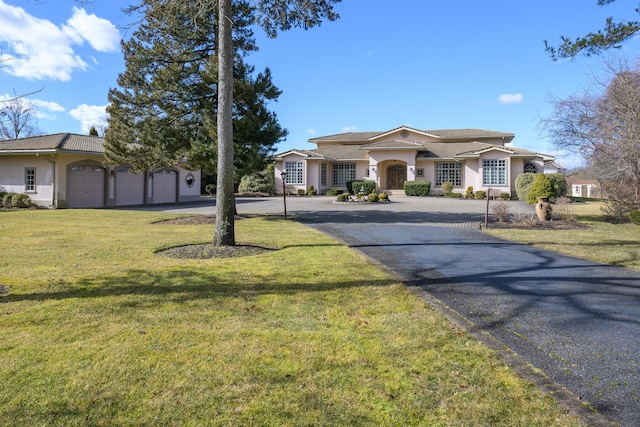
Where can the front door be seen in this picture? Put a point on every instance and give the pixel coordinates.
(396, 177)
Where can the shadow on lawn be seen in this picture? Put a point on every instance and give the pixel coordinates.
(182, 285)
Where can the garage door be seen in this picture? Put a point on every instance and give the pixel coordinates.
(85, 186)
(129, 187)
(165, 186)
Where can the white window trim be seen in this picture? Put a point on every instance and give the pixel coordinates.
(490, 183)
(26, 181)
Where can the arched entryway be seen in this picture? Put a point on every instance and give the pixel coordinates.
(396, 177)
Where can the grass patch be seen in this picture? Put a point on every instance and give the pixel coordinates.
(99, 330)
(613, 244)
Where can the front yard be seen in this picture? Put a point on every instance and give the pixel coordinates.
(97, 329)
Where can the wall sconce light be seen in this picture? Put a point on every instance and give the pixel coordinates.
(113, 172)
(411, 169)
(373, 168)
(151, 174)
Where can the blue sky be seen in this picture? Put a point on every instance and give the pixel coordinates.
(425, 64)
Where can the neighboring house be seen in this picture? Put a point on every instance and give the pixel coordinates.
(464, 157)
(553, 167)
(589, 188)
(68, 171)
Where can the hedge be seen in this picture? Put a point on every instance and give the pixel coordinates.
(524, 181)
(417, 188)
(369, 186)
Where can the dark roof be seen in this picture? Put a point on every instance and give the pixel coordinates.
(55, 142)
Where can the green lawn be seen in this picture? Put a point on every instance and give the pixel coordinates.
(99, 330)
(614, 244)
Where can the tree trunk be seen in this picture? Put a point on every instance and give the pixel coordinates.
(224, 234)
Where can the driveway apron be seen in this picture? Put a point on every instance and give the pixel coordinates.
(575, 320)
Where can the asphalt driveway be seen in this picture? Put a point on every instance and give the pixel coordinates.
(577, 321)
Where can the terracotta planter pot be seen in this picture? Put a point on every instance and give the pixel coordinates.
(543, 209)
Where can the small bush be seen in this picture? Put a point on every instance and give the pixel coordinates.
(469, 194)
(210, 189)
(343, 197)
(505, 196)
(528, 220)
(373, 197)
(334, 191)
(501, 211)
(349, 185)
(559, 184)
(368, 186)
(20, 201)
(301, 192)
(257, 182)
(447, 187)
(542, 187)
(523, 183)
(564, 209)
(2, 194)
(417, 188)
(481, 195)
(6, 200)
(453, 195)
(383, 197)
(311, 191)
(634, 216)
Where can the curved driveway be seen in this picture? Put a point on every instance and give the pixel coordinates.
(577, 321)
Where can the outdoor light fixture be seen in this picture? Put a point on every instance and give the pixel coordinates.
(283, 174)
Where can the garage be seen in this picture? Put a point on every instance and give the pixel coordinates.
(165, 186)
(85, 186)
(129, 187)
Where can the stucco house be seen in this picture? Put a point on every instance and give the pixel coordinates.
(589, 188)
(464, 157)
(68, 171)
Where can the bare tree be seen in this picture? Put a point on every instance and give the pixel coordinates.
(18, 119)
(602, 124)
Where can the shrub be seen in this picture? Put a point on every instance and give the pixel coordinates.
(524, 182)
(505, 196)
(257, 182)
(210, 189)
(383, 197)
(301, 192)
(634, 216)
(334, 191)
(2, 194)
(452, 194)
(559, 183)
(20, 201)
(6, 200)
(542, 187)
(349, 185)
(368, 185)
(469, 194)
(343, 197)
(481, 195)
(501, 211)
(311, 191)
(564, 209)
(417, 188)
(447, 187)
(373, 197)
(528, 220)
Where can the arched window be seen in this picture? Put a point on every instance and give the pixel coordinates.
(530, 168)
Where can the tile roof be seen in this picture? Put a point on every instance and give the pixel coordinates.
(470, 133)
(57, 142)
(392, 144)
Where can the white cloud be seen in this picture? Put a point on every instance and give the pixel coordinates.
(45, 109)
(42, 50)
(101, 34)
(349, 129)
(510, 98)
(90, 115)
(311, 131)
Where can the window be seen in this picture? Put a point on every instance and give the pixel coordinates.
(451, 172)
(494, 172)
(366, 172)
(30, 180)
(343, 172)
(420, 173)
(323, 174)
(294, 172)
(530, 168)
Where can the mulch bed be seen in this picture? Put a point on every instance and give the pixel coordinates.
(546, 225)
(207, 250)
